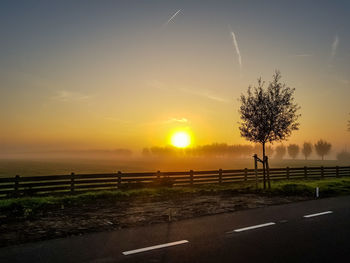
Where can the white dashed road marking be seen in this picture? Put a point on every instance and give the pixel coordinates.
(252, 227)
(319, 214)
(130, 252)
(154, 247)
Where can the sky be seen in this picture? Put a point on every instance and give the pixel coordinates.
(126, 74)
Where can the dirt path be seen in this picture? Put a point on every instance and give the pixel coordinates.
(100, 216)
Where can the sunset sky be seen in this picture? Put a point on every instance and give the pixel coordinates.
(127, 74)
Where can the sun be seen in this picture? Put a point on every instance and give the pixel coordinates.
(181, 139)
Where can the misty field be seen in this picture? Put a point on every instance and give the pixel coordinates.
(34, 167)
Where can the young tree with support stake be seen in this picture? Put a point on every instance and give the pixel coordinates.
(268, 115)
(322, 148)
(307, 149)
(293, 150)
(280, 152)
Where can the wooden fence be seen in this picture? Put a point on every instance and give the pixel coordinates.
(76, 183)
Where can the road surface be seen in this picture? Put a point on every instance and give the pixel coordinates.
(309, 231)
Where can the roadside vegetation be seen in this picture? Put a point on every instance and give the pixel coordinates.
(35, 206)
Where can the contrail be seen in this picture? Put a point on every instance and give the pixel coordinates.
(334, 46)
(171, 18)
(235, 44)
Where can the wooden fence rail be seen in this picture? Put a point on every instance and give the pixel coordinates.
(76, 183)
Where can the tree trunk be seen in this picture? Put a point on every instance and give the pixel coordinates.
(264, 166)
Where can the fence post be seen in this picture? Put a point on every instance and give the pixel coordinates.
(337, 171)
(220, 176)
(245, 174)
(119, 179)
(287, 171)
(268, 172)
(322, 171)
(16, 192)
(305, 172)
(256, 171)
(72, 183)
(191, 177)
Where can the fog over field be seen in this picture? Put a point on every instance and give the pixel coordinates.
(152, 159)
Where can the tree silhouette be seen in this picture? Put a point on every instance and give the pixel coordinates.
(307, 149)
(293, 150)
(217, 150)
(268, 115)
(280, 152)
(322, 148)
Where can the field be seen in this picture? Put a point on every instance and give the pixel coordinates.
(33, 167)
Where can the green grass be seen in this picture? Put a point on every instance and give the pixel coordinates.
(34, 206)
(327, 187)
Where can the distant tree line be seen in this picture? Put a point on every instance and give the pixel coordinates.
(322, 148)
(221, 150)
(210, 150)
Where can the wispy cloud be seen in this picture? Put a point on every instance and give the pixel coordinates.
(204, 94)
(212, 97)
(156, 84)
(163, 122)
(235, 45)
(201, 93)
(302, 55)
(178, 120)
(171, 18)
(66, 96)
(343, 81)
(334, 46)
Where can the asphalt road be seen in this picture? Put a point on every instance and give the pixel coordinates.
(271, 234)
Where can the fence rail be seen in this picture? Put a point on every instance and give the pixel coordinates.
(77, 183)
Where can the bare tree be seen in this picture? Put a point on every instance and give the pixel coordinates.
(280, 152)
(268, 115)
(323, 148)
(307, 149)
(293, 150)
